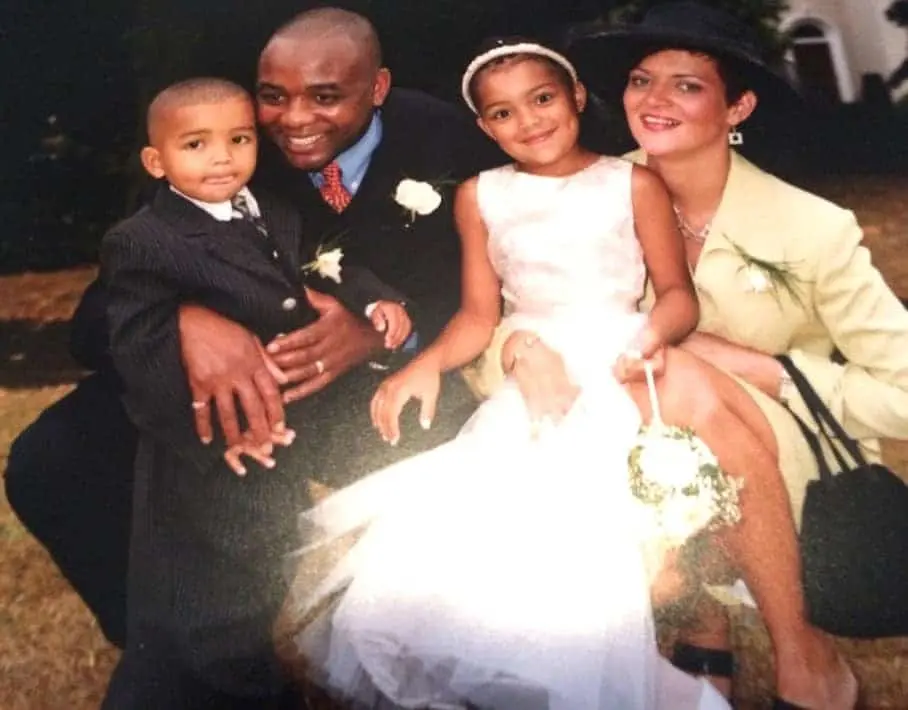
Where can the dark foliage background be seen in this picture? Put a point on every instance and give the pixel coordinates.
(77, 72)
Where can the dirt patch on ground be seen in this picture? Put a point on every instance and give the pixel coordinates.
(52, 656)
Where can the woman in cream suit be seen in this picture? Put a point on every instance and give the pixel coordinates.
(690, 75)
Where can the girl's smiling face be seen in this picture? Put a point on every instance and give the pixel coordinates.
(675, 102)
(531, 109)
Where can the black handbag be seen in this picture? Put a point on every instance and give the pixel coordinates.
(854, 533)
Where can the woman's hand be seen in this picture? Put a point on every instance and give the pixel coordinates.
(753, 366)
(421, 380)
(540, 374)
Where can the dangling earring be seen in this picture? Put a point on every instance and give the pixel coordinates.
(735, 137)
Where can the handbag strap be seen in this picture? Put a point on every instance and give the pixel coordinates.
(825, 420)
(814, 442)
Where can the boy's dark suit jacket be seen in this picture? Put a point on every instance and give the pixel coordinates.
(207, 560)
(207, 546)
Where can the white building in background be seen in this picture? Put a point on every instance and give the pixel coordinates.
(836, 42)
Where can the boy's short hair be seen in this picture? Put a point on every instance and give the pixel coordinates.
(198, 90)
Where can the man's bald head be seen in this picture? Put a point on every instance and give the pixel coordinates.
(336, 25)
(191, 92)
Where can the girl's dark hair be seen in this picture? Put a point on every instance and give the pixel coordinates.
(491, 43)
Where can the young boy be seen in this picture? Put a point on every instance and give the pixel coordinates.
(207, 554)
(202, 142)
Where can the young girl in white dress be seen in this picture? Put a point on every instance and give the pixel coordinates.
(505, 569)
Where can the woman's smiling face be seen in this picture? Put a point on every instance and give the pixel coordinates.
(675, 102)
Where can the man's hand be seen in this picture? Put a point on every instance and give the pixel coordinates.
(314, 356)
(224, 361)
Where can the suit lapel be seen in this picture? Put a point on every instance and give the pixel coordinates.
(744, 219)
(286, 232)
(744, 229)
(237, 242)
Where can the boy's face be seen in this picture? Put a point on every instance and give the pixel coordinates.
(206, 151)
(316, 97)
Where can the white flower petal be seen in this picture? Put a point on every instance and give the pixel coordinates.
(735, 595)
(327, 264)
(759, 281)
(417, 197)
(668, 462)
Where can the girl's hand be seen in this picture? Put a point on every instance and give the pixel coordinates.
(648, 345)
(629, 366)
(257, 452)
(421, 380)
(540, 375)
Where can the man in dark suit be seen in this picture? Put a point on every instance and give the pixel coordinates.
(322, 105)
(69, 475)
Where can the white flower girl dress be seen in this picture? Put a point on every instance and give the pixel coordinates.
(504, 569)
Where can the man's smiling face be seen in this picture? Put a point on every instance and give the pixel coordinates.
(316, 96)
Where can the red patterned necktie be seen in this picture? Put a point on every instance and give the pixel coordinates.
(333, 190)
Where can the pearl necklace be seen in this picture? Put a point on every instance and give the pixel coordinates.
(689, 232)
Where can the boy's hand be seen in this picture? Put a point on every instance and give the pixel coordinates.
(257, 452)
(393, 320)
(419, 380)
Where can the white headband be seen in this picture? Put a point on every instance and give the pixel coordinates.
(507, 50)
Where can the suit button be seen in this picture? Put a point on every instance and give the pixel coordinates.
(288, 304)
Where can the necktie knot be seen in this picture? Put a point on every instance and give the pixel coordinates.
(243, 208)
(241, 205)
(333, 190)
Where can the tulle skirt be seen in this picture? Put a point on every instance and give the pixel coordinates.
(503, 570)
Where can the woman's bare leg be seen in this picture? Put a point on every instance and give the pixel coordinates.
(809, 670)
(705, 624)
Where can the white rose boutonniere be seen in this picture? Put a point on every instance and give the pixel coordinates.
(764, 276)
(327, 263)
(417, 197)
(757, 278)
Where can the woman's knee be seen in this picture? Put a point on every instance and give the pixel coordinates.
(689, 395)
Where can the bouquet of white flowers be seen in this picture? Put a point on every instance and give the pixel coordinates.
(679, 480)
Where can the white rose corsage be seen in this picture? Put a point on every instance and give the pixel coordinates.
(679, 480)
(768, 276)
(327, 263)
(417, 197)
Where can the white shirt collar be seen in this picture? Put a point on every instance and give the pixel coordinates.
(223, 211)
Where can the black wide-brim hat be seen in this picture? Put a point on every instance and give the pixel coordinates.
(604, 56)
